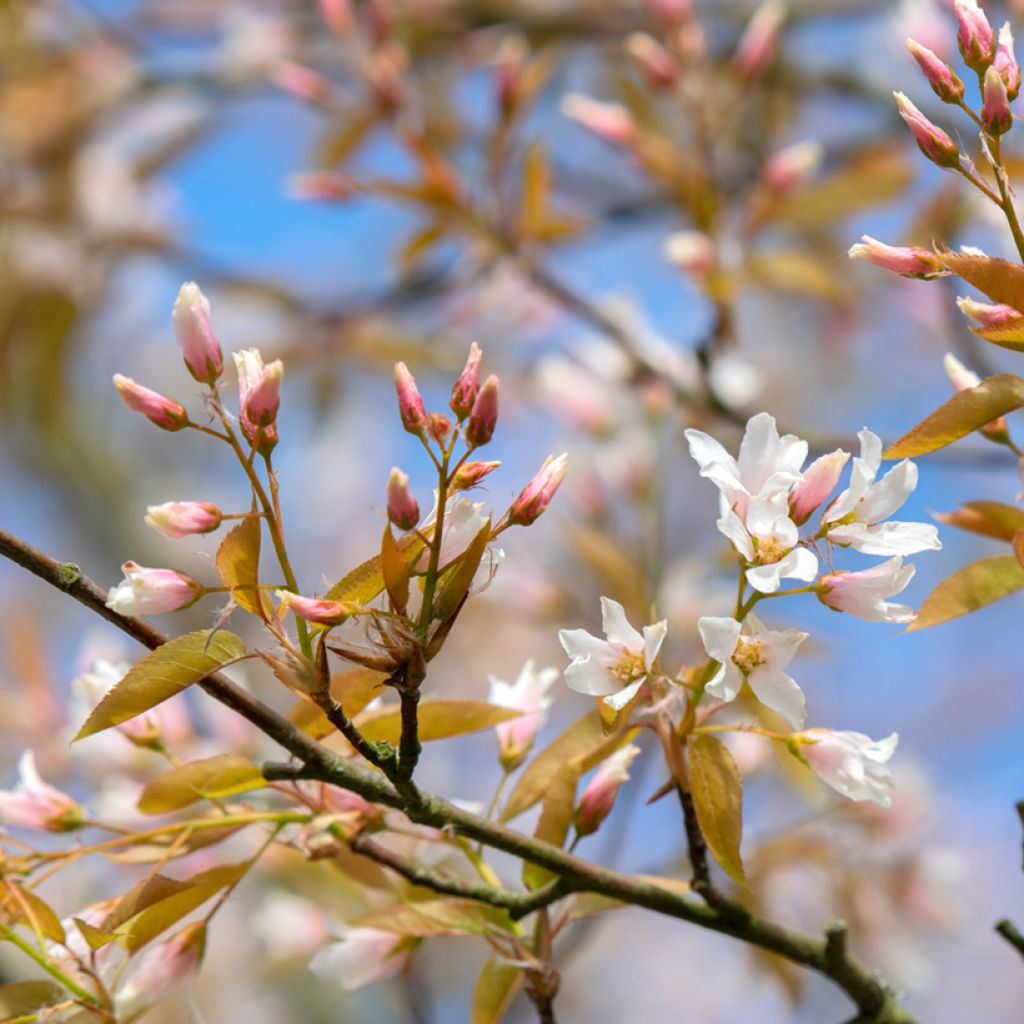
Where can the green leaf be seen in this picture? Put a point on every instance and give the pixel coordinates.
(22, 906)
(495, 989)
(211, 778)
(164, 672)
(366, 581)
(989, 518)
(238, 561)
(24, 997)
(438, 720)
(972, 587)
(450, 916)
(964, 413)
(458, 578)
(1001, 280)
(717, 791)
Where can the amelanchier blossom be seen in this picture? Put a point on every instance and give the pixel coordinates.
(410, 403)
(1006, 62)
(178, 519)
(863, 593)
(403, 509)
(850, 762)
(935, 143)
(988, 314)
(974, 36)
(484, 415)
(614, 668)
(995, 108)
(910, 261)
(609, 121)
(158, 971)
(146, 591)
(319, 610)
(37, 804)
(748, 651)
(658, 66)
(466, 388)
(945, 83)
(599, 795)
(469, 474)
(158, 409)
(818, 482)
(536, 496)
(259, 396)
(760, 40)
(359, 957)
(792, 167)
(692, 251)
(531, 694)
(857, 517)
(194, 331)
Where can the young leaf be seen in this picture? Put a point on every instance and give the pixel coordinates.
(161, 674)
(495, 989)
(366, 581)
(22, 906)
(395, 569)
(210, 778)
(1001, 280)
(964, 413)
(1009, 335)
(989, 518)
(555, 819)
(458, 578)
(438, 719)
(21, 998)
(450, 916)
(717, 791)
(238, 560)
(536, 187)
(969, 589)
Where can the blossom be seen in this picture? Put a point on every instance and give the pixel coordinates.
(536, 496)
(259, 395)
(531, 694)
(599, 796)
(194, 332)
(359, 957)
(760, 40)
(614, 668)
(930, 138)
(850, 762)
(403, 509)
(692, 251)
(159, 970)
(466, 388)
(1006, 62)
(469, 474)
(791, 167)
(410, 404)
(158, 409)
(288, 926)
(177, 519)
(864, 593)
(910, 261)
(748, 651)
(819, 480)
(655, 62)
(152, 591)
(995, 108)
(987, 314)
(484, 415)
(945, 83)
(320, 610)
(855, 518)
(609, 121)
(974, 35)
(37, 804)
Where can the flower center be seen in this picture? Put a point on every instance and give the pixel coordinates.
(748, 655)
(630, 666)
(768, 550)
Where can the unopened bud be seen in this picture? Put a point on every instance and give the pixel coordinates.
(760, 41)
(692, 251)
(164, 412)
(194, 331)
(599, 796)
(469, 474)
(509, 64)
(608, 121)
(995, 108)
(909, 261)
(945, 83)
(403, 510)
(817, 484)
(791, 167)
(537, 494)
(410, 404)
(321, 611)
(259, 397)
(145, 591)
(974, 35)
(301, 81)
(178, 519)
(465, 389)
(988, 315)
(330, 186)
(930, 138)
(1006, 62)
(482, 420)
(657, 65)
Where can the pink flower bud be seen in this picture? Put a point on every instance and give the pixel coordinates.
(791, 167)
(537, 494)
(995, 108)
(608, 121)
(658, 66)
(509, 64)
(931, 140)
(465, 389)
(817, 484)
(338, 15)
(438, 426)
(152, 591)
(159, 970)
(469, 474)
(301, 81)
(164, 412)
(1006, 62)
(598, 798)
(760, 41)
(962, 379)
(403, 509)
(864, 593)
(259, 396)
(530, 694)
(974, 35)
(691, 251)
(194, 331)
(410, 404)
(323, 186)
(317, 609)
(37, 804)
(480, 428)
(988, 315)
(906, 260)
(177, 519)
(945, 83)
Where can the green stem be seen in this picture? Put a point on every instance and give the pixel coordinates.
(430, 581)
(1007, 201)
(73, 987)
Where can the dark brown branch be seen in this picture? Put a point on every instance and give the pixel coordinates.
(1009, 931)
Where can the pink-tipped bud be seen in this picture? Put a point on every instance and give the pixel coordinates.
(974, 35)
(37, 804)
(691, 251)
(906, 260)
(259, 397)
(467, 387)
(320, 186)
(608, 121)
(338, 15)
(760, 42)
(480, 428)
(817, 484)
(385, 70)
(509, 65)
(930, 138)
(945, 83)
(988, 315)
(410, 404)
(317, 609)
(792, 167)
(194, 331)
(152, 591)
(537, 494)
(658, 66)
(403, 509)
(159, 970)
(438, 426)
(177, 519)
(995, 107)
(301, 81)
(1006, 62)
(599, 797)
(164, 412)
(962, 379)
(469, 474)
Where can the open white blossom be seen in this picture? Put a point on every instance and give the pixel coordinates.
(850, 762)
(857, 517)
(614, 668)
(359, 957)
(864, 593)
(750, 652)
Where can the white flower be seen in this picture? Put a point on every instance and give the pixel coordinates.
(759, 656)
(614, 668)
(531, 694)
(856, 518)
(360, 957)
(36, 804)
(863, 593)
(850, 762)
(767, 464)
(768, 541)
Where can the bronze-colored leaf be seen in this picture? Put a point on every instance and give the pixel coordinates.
(970, 588)
(717, 790)
(238, 561)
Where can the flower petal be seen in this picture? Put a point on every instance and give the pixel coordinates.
(780, 692)
(719, 636)
(617, 627)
